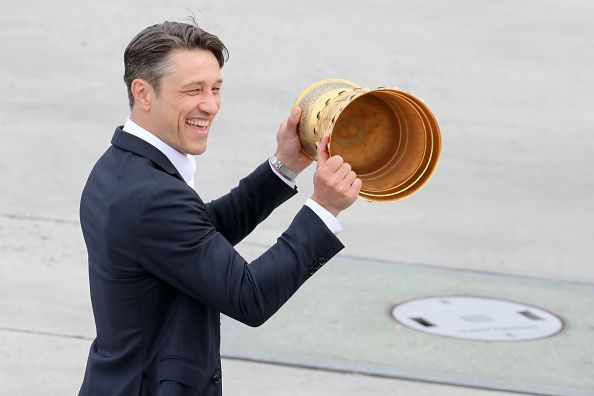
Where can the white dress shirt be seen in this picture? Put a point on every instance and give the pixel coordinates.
(186, 166)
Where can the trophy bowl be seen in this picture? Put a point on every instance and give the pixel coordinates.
(389, 137)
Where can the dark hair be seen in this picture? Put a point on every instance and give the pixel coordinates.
(146, 56)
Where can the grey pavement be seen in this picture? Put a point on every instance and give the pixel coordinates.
(510, 205)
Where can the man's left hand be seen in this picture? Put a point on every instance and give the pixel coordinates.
(289, 146)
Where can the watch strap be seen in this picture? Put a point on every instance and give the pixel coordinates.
(283, 169)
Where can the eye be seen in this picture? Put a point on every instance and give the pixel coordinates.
(193, 92)
(216, 90)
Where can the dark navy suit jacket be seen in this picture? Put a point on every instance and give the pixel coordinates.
(162, 266)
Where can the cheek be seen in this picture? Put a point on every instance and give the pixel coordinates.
(186, 103)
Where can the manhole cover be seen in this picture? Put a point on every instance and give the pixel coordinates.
(477, 318)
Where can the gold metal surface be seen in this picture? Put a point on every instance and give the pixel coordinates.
(389, 137)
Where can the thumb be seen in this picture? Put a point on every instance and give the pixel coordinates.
(322, 150)
(294, 118)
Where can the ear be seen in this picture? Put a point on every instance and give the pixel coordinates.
(143, 93)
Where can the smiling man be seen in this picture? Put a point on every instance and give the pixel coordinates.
(162, 266)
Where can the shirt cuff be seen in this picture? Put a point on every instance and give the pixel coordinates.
(328, 218)
(289, 183)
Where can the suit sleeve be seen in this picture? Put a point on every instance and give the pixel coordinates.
(177, 243)
(237, 213)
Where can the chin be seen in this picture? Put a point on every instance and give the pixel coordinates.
(198, 150)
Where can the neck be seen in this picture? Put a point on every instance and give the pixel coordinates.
(141, 120)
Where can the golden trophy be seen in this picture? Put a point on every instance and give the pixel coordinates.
(389, 137)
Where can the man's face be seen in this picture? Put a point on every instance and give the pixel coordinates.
(188, 101)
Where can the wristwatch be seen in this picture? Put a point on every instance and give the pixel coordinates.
(283, 169)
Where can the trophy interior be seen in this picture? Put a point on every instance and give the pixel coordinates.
(383, 136)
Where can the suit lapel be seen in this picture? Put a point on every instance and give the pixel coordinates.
(128, 142)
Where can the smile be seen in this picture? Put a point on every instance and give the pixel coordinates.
(197, 122)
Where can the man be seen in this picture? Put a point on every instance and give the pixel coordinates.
(161, 262)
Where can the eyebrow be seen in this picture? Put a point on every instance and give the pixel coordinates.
(219, 81)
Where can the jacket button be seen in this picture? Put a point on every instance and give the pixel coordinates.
(216, 379)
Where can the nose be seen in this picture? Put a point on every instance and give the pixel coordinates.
(209, 104)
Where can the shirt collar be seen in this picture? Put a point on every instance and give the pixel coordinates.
(185, 164)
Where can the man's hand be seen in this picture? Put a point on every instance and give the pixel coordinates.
(336, 186)
(289, 146)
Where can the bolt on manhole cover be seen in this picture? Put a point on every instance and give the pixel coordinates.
(477, 318)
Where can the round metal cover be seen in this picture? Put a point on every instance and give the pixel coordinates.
(477, 318)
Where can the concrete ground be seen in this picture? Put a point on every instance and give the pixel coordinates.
(509, 82)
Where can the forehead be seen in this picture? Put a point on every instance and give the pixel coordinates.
(193, 65)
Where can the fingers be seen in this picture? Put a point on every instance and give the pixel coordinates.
(342, 172)
(322, 150)
(350, 178)
(290, 124)
(294, 117)
(350, 183)
(356, 186)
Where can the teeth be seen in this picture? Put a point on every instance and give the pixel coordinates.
(201, 123)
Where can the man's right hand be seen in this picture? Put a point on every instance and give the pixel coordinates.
(336, 186)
